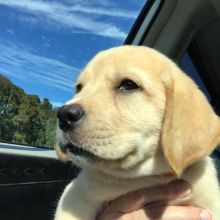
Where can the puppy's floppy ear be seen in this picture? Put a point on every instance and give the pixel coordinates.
(191, 129)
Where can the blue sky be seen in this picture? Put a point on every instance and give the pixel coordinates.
(45, 43)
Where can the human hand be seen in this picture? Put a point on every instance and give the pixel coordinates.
(150, 204)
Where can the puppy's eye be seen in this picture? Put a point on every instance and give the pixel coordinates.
(128, 84)
(78, 88)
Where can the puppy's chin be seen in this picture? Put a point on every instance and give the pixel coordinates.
(75, 153)
(88, 159)
(61, 154)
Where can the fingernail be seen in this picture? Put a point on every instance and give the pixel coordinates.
(204, 215)
(182, 188)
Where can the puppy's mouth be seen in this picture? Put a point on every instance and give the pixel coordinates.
(78, 151)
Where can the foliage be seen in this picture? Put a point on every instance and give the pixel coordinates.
(25, 118)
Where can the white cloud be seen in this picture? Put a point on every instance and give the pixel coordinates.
(71, 16)
(47, 44)
(57, 104)
(10, 31)
(34, 69)
(114, 12)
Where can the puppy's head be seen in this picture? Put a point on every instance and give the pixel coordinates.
(131, 104)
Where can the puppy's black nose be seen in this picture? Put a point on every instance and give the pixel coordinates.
(68, 115)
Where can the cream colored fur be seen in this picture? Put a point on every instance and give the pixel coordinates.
(165, 126)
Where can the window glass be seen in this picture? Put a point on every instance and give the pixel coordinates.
(189, 68)
(44, 44)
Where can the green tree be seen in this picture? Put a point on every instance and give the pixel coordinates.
(10, 99)
(25, 118)
(27, 122)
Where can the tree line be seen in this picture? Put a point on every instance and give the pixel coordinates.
(25, 118)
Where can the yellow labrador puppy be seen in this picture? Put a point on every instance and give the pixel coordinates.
(136, 121)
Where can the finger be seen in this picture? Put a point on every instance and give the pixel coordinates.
(136, 200)
(176, 212)
(136, 215)
(109, 214)
(159, 213)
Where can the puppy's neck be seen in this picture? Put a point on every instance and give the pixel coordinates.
(152, 167)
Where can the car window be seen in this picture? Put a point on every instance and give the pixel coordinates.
(44, 45)
(189, 68)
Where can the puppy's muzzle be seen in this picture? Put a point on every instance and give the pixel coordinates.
(69, 116)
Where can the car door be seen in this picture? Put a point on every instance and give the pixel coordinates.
(31, 182)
